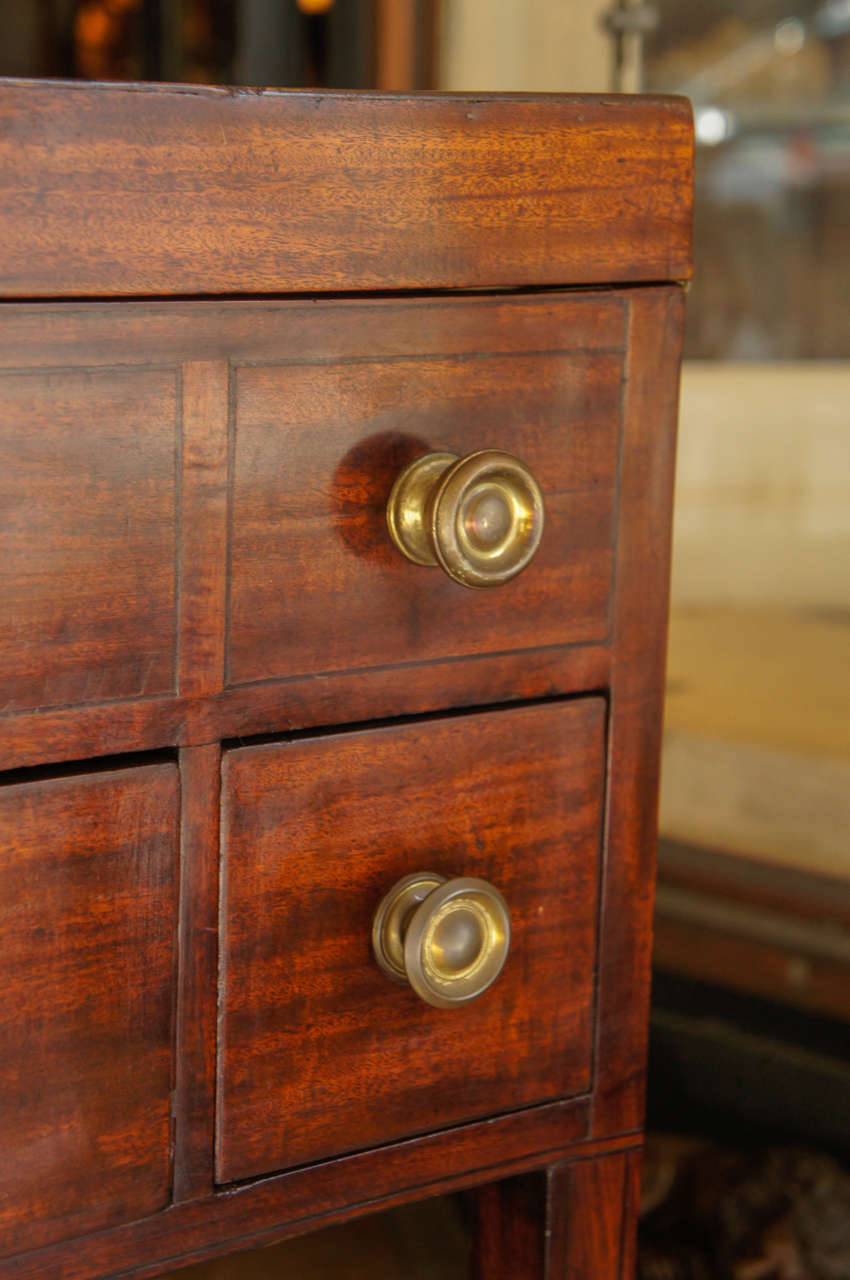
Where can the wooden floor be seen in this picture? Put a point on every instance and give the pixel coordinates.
(757, 735)
(754, 859)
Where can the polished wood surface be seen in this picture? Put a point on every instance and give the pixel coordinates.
(86, 965)
(244, 526)
(599, 1217)
(337, 698)
(197, 980)
(319, 1051)
(88, 475)
(274, 1208)
(510, 1227)
(316, 585)
(202, 554)
(640, 610)
(143, 189)
(195, 555)
(575, 1219)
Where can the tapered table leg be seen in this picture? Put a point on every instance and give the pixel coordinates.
(508, 1221)
(572, 1221)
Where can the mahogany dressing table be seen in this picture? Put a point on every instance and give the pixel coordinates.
(328, 801)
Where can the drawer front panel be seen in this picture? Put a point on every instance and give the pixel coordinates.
(316, 585)
(319, 1052)
(192, 512)
(87, 969)
(87, 536)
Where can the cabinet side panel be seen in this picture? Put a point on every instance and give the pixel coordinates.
(641, 594)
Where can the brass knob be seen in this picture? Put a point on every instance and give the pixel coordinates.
(480, 518)
(448, 938)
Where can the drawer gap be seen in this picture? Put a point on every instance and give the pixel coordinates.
(385, 722)
(575, 1107)
(78, 768)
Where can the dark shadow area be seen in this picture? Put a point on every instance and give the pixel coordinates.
(746, 1169)
(361, 486)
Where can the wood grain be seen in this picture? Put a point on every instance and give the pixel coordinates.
(316, 584)
(53, 335)
(570, 1221)
(640, 609)
(290, 1204)
(86, 964)
(337, 394)
(318, 1051)
(596, 1197)
(88, 466)
(142, 189)
(194, 1088)
(151, 448)
(631, 1214)
(203, 526)
(343, 698)
(508, 1224)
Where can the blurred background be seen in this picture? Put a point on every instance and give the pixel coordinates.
(749, 1099)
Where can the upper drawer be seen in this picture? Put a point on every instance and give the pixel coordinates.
(194, 494)
(88, 511)
(316, 584)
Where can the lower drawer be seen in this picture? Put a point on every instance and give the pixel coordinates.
(319, 1051)
(87, 973)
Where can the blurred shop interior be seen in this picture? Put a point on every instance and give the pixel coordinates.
(750, 1066)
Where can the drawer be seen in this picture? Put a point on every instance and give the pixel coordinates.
(316, 584)
(87, 971)
(194, 499)
(319, 1052)
(88, 492)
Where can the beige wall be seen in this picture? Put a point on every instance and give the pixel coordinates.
(524, 46)
(763, 485)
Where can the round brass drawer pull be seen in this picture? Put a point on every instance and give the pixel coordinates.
(480, 518)
(448, 938)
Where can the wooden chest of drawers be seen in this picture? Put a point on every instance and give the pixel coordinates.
(235, 715)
